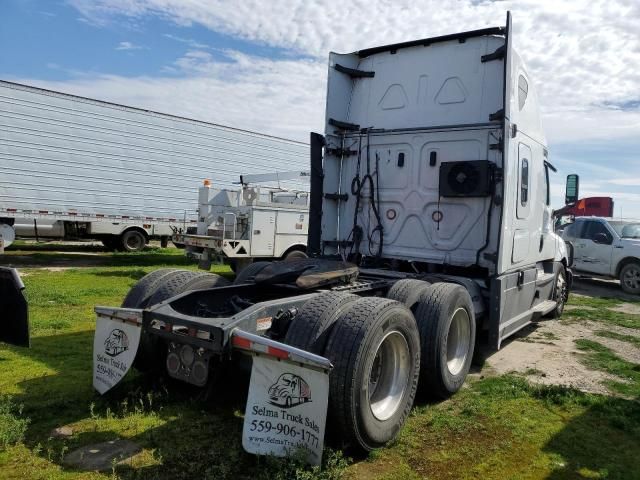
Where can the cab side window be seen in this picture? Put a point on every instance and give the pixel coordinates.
(593, 228)
(524, 182)
(570, 231)
(547, 186)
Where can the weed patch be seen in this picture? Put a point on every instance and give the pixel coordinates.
(505, 427)
(12, 424)
(598, 310)
(604, 315)
(618, 336)
(602, 358)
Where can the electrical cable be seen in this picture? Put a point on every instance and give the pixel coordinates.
(357, 186)
(379, 228)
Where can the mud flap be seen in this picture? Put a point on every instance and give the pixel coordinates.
(14, 319)
(115, 345)
(286, 410)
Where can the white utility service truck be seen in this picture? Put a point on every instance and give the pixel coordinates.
(73, 167)
(430, 231)
(249, 223)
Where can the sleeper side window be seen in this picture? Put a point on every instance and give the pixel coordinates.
(523, 91)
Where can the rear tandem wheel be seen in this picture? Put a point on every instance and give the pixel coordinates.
(447, 325)
(407, 291)
(312, 325)
(154, 288)
(375, 349)
(248, 273)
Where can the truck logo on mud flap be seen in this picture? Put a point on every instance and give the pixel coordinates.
(289, 390)
(116, 343)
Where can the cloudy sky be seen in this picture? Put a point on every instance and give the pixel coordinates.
(261, 65)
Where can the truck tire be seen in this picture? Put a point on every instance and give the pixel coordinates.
(311, 327)
(407, 291)
(248, 273)
(375, 349)
(141, 291)
(294, 255)
(133, 241)
(173, 284)
(560, 294)
(147, 357)
(447, 327)
(152, 350)
(208, 280)
(630, 278)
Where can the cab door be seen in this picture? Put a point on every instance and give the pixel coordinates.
(594, 248)
(522, 242)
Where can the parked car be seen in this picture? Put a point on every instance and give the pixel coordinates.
(607, 247)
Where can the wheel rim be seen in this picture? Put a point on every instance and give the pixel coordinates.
(458, 341)
(134, 242)
(631, 278)
(389, 375)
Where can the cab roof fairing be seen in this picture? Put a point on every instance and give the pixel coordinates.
(528, 118)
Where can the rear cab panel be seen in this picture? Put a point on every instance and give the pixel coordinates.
(424, 106)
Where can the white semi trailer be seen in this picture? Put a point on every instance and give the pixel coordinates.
(73, 167)
(430, 231)
(250, 223)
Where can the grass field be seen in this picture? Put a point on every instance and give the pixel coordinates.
(498, 427)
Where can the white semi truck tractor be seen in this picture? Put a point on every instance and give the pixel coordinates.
(430, 232)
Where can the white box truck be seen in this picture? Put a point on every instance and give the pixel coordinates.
(430, 231)
(73, 167)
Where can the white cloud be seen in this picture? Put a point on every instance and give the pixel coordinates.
(633, 182)
(128, 46)
(277, 97)
(579, 52)
(189, 41)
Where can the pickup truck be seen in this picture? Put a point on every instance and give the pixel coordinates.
(607, 247)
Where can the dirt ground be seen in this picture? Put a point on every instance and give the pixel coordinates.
(546, 351)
